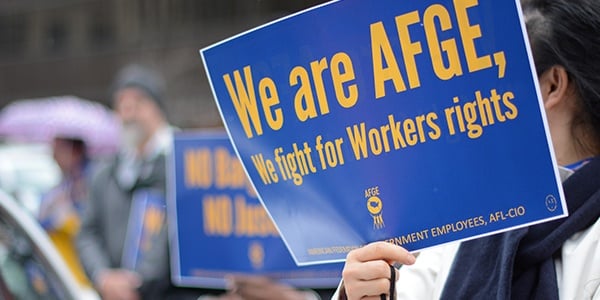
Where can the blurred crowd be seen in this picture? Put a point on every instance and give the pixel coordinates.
(104, 159)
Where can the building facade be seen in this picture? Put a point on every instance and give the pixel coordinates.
(60, 47)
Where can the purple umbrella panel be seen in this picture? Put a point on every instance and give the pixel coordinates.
(41, 120)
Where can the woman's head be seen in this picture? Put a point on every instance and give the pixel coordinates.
(69, 154)
(565, 34)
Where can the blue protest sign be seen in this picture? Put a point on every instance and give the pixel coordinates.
(146, 220)
(413, 122)
(219, 226)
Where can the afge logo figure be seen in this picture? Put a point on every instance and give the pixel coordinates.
(375, 206)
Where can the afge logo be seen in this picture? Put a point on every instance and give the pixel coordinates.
(256, 253)
(375, 206)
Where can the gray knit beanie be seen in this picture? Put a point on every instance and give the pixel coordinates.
(149, 81)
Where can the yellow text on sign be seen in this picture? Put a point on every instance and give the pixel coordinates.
(385, 63)
(218, 167)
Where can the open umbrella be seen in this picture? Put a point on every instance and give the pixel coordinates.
(40, 120)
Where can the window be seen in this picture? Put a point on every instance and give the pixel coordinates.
(22, 269)
(57, 37)
(12, 35)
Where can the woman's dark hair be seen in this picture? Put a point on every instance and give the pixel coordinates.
(567, 33)
(78, 145)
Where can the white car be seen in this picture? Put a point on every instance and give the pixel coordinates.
(27, 170)
(30, 265)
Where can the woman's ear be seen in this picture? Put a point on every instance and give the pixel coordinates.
(555, 87)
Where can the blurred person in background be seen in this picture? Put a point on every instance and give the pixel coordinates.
(62, 207)
(137, 96)
(147, 140)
